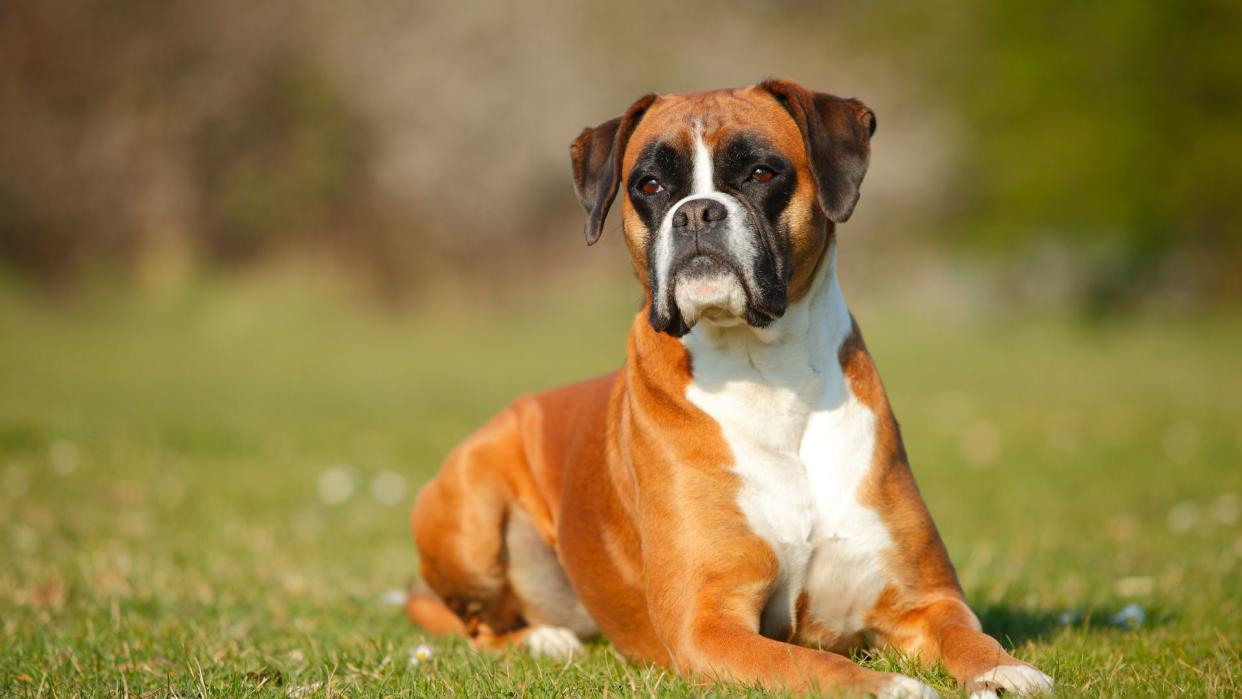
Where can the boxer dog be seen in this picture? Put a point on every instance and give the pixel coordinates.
(735, 502)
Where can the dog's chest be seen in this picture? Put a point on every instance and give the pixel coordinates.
(802, 445)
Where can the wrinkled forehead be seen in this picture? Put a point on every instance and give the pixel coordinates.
(716, 116)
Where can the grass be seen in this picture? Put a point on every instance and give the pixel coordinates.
(162, 529)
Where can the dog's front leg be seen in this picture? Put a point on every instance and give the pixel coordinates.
(705, 594)
(946, 630)
(719, 647)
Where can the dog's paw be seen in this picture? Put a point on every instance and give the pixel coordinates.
(902, 687)
(1010, 679)
(553, 642)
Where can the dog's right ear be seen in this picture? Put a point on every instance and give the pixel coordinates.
(837, 133)
(596, 154)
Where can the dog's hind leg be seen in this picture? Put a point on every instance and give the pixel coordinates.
(458, 524)
(429, 612)
(486, 546)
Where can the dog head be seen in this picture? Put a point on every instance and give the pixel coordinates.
(729, 198)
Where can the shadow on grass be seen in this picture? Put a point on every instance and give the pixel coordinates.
(1013, 626)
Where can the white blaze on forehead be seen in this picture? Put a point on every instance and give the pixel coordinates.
(702, 164)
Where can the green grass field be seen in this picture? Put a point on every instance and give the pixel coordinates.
(186, 500)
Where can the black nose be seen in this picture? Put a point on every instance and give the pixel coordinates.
(698, 214)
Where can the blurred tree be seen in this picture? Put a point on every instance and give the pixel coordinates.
(1113, 126)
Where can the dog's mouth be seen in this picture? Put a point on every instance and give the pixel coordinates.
(706, 287)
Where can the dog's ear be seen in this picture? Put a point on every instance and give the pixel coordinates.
(596, 155)
(837, 133)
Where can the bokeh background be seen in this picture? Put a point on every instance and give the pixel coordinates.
(263, 264)
(1091, 150)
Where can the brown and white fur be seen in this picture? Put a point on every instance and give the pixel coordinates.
(735, 502)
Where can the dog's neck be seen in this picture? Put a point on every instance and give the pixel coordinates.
(764, 385)
(810, 333)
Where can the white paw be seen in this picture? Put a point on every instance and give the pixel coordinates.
(902, 687)
(1012, 679)
(553, 642)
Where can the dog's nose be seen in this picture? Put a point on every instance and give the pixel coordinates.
(696, 215)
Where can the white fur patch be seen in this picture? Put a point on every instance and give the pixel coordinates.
(702, 183)
(802, 444)
(553, 642)
(902, 687)
(540, 582)
(1013, 679)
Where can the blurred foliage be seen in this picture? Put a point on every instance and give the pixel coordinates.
(287, 159)
(413, 140)
(166, 128)
(1109, 123)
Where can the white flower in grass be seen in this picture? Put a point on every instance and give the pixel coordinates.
(1183, 517)
(1227, 508)
(63, 456)
(1131, 616)
(24, 538)
(305, 689)
(388, 488)
(393, 598)
(420, 654)
(337, 484)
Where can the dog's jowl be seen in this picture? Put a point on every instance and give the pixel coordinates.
(735, 501)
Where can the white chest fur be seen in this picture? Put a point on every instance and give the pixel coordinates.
(802, 445)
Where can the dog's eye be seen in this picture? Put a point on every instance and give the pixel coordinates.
(762, 174)
(650, 186)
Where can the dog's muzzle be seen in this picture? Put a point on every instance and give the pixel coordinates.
(714, 265)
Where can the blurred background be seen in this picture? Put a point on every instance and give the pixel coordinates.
(263, 264)
(1085, 154)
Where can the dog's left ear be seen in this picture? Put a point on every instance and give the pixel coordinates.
(596, 154)
(837, 133)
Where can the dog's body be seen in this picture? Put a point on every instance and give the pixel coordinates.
(735, 502)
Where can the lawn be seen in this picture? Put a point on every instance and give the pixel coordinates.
(207, 493)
